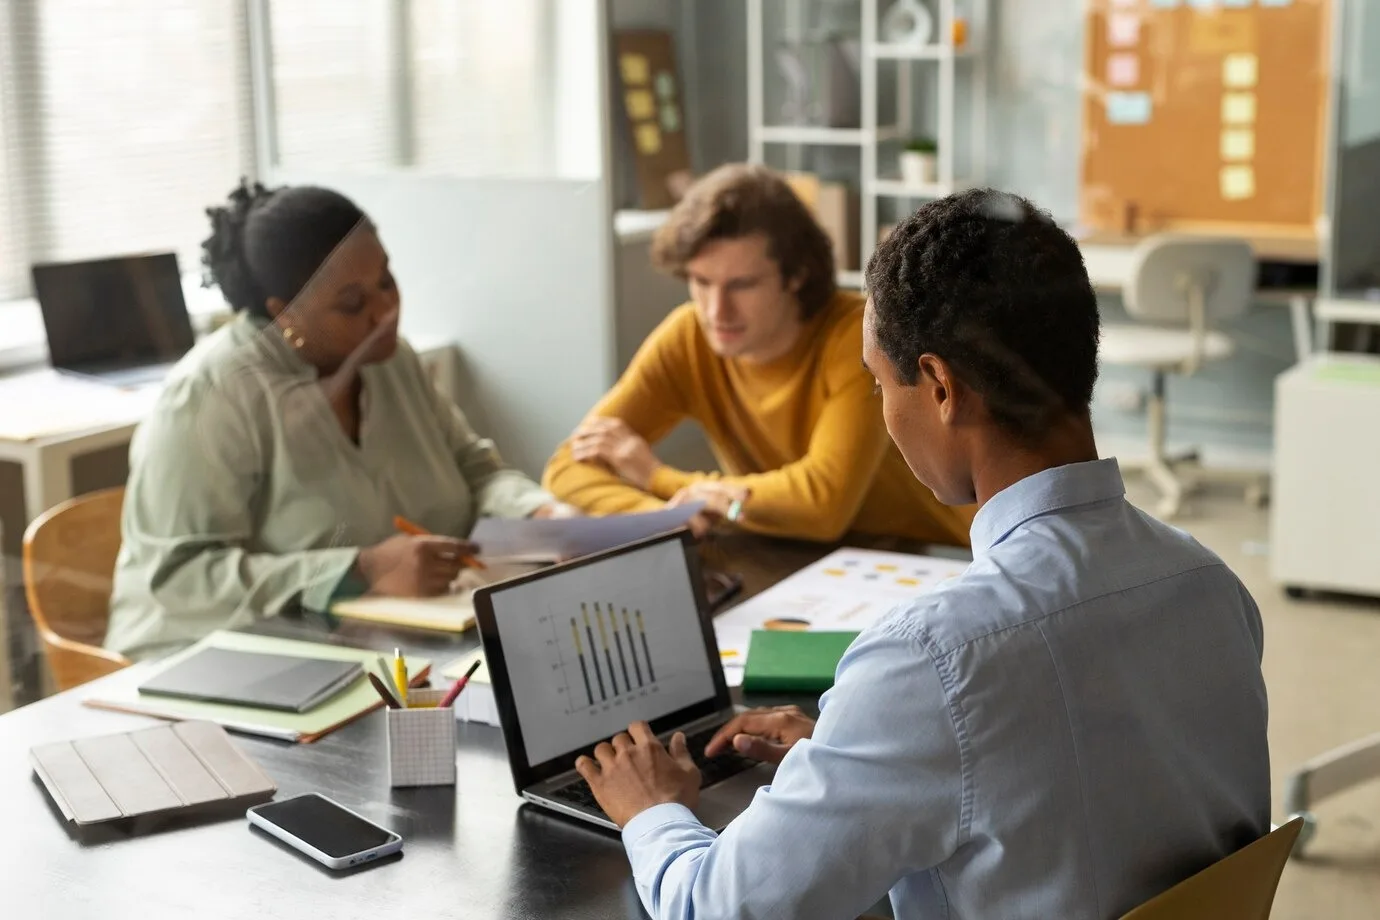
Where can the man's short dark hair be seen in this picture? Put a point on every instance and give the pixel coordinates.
(988, 282)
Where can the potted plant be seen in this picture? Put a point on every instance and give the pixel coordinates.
(919, 161)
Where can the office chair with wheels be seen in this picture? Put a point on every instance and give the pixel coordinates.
(1238, 887)
(69, 565)
(1180, 286)
(1326, 775)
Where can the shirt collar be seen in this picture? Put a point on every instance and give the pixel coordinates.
(1047, 491)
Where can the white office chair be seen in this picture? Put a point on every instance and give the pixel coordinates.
(1178, 286)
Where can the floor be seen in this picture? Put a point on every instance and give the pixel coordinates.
(1322, 670)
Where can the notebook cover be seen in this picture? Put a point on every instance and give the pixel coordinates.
(788, 661)
(360, 699)
(287, 683)
(161, 770)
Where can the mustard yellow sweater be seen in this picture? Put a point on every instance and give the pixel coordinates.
(803, 432)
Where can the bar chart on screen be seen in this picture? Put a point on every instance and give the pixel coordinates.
(604, 656)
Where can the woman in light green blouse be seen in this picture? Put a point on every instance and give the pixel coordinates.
(283, 446)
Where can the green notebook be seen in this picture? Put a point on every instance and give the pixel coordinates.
(783, 661)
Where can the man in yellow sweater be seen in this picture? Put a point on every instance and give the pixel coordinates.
(766, 358)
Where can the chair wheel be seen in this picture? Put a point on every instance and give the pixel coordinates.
(1294, 592)
(1306, 833)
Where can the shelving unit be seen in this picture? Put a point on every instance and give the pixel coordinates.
(941, 57)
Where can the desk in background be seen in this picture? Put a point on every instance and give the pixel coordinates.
(1108, 258)
(472, 851)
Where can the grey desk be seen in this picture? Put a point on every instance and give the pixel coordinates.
(473, 851)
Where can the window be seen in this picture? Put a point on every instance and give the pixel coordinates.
(332, 69)
(460, 87)
(122, 119)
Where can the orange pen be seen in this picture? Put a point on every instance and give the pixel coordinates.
(403, 525)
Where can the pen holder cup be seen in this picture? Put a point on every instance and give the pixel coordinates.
(421, 742)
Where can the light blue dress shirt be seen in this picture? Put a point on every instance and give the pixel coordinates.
(1069, 728)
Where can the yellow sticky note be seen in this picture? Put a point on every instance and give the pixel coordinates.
(837, 573)
(1238, 108)
(641, 104)
(636, 69)
(1238, 182)
(1239, 71)
(1238, 144)
(908, 582)
(885, 567)
(648, 139)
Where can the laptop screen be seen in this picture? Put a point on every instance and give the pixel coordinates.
(113, 312)
(585, 649)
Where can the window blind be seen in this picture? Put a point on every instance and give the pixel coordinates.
(122, 120)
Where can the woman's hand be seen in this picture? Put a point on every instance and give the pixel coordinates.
(611, 442)
(413, 566)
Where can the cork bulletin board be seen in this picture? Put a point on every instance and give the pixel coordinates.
(1205, 115)
(654, 110)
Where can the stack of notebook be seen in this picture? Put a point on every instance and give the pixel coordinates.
(296, 691)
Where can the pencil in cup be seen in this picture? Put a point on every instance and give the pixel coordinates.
(421, 742)
(403, 525)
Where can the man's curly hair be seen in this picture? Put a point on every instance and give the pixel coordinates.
(988, 282)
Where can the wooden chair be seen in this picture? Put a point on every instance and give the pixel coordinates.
(69, 564)
(1239, 887)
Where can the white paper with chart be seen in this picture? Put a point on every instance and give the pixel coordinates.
(847, 590)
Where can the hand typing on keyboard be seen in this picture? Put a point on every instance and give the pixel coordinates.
(635, 771)
(762, 734)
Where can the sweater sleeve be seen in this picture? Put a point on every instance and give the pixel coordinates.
(818, 496)
(650, 398)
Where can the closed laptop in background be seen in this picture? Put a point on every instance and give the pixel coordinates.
(121, 320)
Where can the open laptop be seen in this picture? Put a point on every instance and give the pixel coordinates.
(123, 320)
(578, 651)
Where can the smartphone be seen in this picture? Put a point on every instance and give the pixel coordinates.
(325, 830)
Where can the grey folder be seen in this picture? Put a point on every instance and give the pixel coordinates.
(165, 769)
(285, 683)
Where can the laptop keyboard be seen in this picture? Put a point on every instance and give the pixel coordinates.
(713, 770)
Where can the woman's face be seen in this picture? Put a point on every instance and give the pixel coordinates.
(348, 308)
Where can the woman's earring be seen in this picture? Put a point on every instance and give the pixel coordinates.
(297, 342)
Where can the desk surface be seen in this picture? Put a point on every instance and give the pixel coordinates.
(471, 851)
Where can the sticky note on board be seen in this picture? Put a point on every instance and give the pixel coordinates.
(1239, 71)
(1238, 182)
(1124, 3)
(1123, 30)
(1276, 2)
(1123, 69)
(670, 118)
(1224, 32)
(636, 69)
(1128, 108)
(1238, 144)
(648, 139)
(1238, 108)
(1164, 4)
(641, 104)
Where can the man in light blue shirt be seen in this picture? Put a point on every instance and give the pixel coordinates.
(1074, 725)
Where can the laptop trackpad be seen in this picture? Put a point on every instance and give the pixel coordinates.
(722, 802)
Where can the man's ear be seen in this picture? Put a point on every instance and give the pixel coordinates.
(943, 385)
(793, 285)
